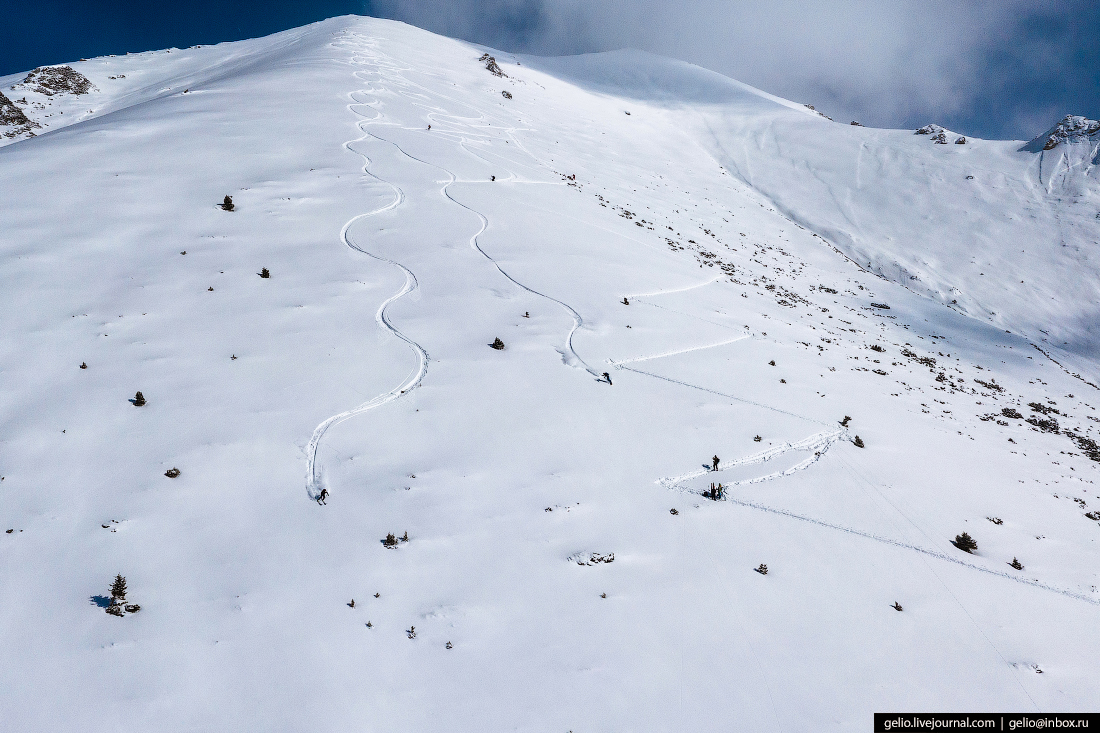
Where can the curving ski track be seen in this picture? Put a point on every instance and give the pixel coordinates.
(313, 479)
(572, 358)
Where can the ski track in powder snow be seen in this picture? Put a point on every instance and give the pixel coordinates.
(313, 485)
(572, 358)
(819, 443)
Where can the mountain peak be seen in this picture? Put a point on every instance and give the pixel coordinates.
(1071, 128)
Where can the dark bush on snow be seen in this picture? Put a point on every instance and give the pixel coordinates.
(965, 542)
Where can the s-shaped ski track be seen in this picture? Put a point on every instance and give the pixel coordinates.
(313, 479)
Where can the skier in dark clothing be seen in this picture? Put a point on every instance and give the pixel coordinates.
(715, 461)
(607, 377)
(323, 495)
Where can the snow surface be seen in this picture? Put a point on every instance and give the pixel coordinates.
(740, 228)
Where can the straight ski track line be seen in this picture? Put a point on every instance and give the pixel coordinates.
(915, 548)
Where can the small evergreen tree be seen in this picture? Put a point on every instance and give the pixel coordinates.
(139, 399)
(172, 472)
(118, 588)
(763, 569)
(965, 542)
(1016, 564)
(497, 344)
(858, 442)
(227, 203)
(264, 273)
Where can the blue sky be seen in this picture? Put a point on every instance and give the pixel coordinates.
(1004, 69)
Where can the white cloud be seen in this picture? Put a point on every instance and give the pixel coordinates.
(887, 62)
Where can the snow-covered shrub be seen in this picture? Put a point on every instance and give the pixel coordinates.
(227, 203)
(858, 442)
(139, 400)
(172, 472)
(497, 344)
(264, 273)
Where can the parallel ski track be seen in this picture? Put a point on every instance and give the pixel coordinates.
(314, 479)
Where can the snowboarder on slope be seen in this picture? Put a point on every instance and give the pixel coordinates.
(715, 461)
(322, 496)
(607, 377)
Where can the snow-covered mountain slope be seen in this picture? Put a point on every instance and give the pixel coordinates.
(702, 243)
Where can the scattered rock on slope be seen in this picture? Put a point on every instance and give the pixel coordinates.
(13, 119)
(929, 130)
(491, 65)
(51, 80)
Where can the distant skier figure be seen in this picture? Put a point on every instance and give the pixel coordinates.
(322, 496)
(715, 461)
(607, 377)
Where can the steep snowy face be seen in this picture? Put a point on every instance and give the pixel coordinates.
(1003, 234)
(358, 378)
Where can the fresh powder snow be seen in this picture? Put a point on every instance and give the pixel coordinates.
(429, 415)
